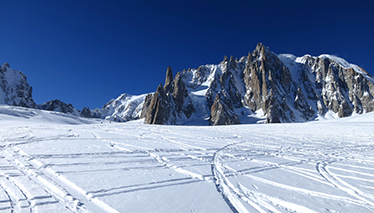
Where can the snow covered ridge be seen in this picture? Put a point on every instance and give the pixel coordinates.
(124, 108)
(262, 87)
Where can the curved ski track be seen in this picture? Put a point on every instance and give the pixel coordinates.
(239, 197)
(247, 173)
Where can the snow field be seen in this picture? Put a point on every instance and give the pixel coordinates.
(47, 164)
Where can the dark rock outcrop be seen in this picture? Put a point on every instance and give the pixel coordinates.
(169, 102)
(59, 106)
(269, 86)
(86, 112)
(161, 109)
(147, 102)
(14, 88)
(222, 114)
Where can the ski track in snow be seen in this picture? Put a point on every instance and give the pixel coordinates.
(236, 195)
(253, 172)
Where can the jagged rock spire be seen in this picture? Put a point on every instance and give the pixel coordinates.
(262, 84)
(168, 87)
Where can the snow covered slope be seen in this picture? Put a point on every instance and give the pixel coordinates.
(12, 115)
(124, 108)
(49, 165)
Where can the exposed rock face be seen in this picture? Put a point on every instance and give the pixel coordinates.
(332, 85)
(59, 106)
(272, 88)
(161, 109)
(221, 114)
(14, 89)
(147, 102)
(169, 102)
(86, 112)
(168, 80)
(269, 86)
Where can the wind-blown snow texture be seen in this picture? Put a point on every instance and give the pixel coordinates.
(264, 87)
(53, 162)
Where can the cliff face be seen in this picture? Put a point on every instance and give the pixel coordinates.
(14, 89)
(261, 87)
(336, 85)
(169, 102)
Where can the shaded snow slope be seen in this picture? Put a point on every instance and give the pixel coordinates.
(48, 165)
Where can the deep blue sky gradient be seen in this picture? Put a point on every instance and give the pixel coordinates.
(86, 52)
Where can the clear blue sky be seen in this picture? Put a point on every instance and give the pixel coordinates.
(86, 52)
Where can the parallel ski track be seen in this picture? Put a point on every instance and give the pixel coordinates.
(51, 182)
(238, 196)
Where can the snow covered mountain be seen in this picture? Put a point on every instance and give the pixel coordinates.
(262, 87)
(124, 108)
(259, 88)
(14, 89)
(59, 106)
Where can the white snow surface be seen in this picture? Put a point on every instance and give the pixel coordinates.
(52, 162)
(124, 108)
(292, 63)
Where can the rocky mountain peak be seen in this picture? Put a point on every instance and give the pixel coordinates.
(259, 87)
(168, 80)
(59, 106)
(6, 64)
(14, 88)
(280, 89)
(225, 59)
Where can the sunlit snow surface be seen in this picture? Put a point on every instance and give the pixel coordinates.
(50, 162)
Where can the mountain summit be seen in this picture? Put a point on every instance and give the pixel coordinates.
(262, 87)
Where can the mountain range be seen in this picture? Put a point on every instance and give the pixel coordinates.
(261, 87)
